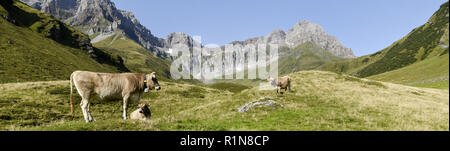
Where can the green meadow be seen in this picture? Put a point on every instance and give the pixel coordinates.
(320, 101)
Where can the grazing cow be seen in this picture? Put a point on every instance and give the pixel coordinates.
(142, 113)
(281, 83)
(107, 86)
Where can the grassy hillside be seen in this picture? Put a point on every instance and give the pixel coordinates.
(431, 73)
(319, 101)
(29, 50)
(307, 56)
(27, 56)
(44, 24)
(136, 58)
(425, 42)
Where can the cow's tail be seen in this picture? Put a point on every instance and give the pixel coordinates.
(71, 97)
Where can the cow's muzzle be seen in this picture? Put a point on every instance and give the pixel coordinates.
(158, 88)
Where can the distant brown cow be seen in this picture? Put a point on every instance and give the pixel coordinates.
(107, 86)
(142, 113)
(281, 83)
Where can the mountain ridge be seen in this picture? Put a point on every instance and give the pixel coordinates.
(101, 16)
(425, 42)
(303, 31)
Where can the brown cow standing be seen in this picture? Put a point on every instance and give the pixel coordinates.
(107, 86)
(281, 83)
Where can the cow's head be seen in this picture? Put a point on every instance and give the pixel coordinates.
(152, 82)
(143, 108)
(271, 80)
(144, 112)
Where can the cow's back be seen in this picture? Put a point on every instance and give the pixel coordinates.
(85, 80)
(105, 86)
(284, 82)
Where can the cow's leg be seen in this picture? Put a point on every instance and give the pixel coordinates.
(84, 104)
(125, 102)
(278, 90)
(89, 114)
(85, 107)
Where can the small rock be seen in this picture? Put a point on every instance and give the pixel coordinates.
(260, 103)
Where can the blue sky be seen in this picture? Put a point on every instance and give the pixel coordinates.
(363, 25)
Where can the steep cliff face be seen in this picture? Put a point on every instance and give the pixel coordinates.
(178, 38)
(99, 17)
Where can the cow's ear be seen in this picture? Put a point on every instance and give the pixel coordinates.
(153, 74)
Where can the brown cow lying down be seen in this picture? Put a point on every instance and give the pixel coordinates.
(108, 86)
(142, 113)
(281, 83)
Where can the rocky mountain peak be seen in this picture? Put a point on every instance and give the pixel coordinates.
(306, 28)
(130, 15)
(303, 31)
(277, 36)
(178, 38)
(94, 13)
